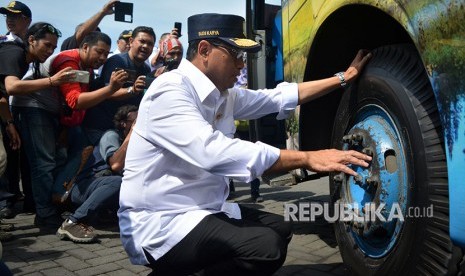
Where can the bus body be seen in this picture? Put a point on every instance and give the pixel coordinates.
(407, 109)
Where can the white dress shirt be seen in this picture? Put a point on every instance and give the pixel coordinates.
(180, 156)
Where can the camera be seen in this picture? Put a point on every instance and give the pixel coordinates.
(132, 74)
(80, 76)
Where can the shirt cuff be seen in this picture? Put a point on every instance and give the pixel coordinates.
(290, 99)
(269, 156)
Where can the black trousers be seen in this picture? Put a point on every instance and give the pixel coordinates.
(254, 245)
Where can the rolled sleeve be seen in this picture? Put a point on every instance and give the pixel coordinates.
(290, 98)
(269, 155)
(254, 104)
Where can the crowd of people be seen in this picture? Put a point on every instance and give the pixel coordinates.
(89, 132)
(68, 101)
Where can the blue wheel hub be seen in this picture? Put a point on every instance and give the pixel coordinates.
(378, 195)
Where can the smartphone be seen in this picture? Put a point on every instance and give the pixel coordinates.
(123, 11)
(80, 76)
(132, 74)
(178, 25)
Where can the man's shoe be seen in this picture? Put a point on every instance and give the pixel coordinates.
(53, 221)
(5, 236)
(29, 208)
(7, 212)
(77, 232)
(257, 199)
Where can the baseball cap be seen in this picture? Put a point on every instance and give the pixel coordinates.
(226, 27)
(125, 34)
(16, 7)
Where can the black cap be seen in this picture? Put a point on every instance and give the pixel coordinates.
(226, 27)
(125, 34)
(16, 7)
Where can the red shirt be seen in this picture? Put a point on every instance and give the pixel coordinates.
(72, 90)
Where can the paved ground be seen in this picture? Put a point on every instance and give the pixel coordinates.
(313, 249)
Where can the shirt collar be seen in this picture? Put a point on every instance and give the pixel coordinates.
(202, 84)
(12, 37)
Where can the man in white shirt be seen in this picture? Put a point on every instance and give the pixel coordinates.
(18, 18)
(122, 44)
(173, 211)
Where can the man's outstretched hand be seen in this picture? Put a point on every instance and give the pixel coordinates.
(333, 160)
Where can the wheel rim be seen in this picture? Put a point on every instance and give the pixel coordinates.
(383, 183)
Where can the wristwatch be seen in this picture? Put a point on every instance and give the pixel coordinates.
(340, 75)
(131, 90)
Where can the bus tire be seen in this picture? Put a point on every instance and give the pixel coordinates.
(394, 89)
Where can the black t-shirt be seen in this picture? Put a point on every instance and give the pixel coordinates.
(13, 62)
(69, 43)
(100, 117)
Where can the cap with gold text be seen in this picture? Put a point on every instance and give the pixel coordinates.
(16, 7)
(226, 27)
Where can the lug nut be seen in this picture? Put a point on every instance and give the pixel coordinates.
(358, 137)
(347, 138)
(338, 178)
(358, 179)
(368, 151)
(372, 181)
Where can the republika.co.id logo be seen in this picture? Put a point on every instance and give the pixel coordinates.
(370, 212)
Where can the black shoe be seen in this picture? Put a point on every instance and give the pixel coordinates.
(53, 221)
(257, 199)
(29, 207)
(7, 212)
(29, 211)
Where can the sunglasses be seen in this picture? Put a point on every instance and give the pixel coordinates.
(14, 16)
(49, 28)
(237, 54)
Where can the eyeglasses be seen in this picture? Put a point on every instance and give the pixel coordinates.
(14, 16)
(237, 54)
(52, 30)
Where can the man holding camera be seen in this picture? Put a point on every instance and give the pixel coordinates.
(92, 53)
(99, 118)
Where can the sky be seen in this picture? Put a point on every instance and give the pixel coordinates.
(160, 15)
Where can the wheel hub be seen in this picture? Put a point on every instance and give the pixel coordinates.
(382, 186)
